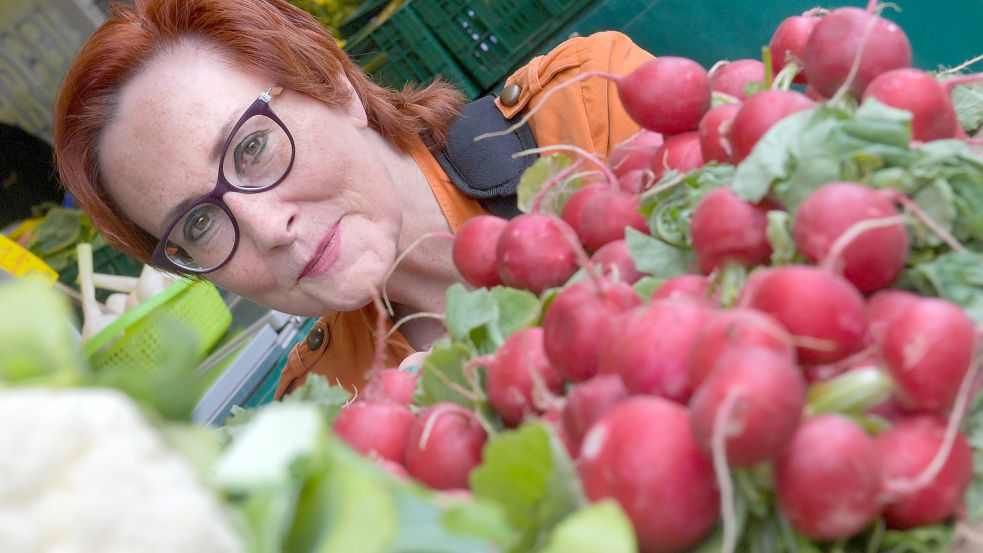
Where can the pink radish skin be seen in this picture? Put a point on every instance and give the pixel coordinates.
(928, 348)
(521, 378)
(726, 228)
(393, 468)
(615, 257)
(821, 310)
(712, 144)
(734, 329)
(814, 95)
(395, 385)
(789, 42)
(873, 259)
(732, 77)
(642, 454)
(758, 114)
(451, 450)
(375, 428)
(906, 450)
(536, 251)
(770, 398)
(474, 250)
(577, 320)
(575, 203)
(883, 307)
(635, 154)
(667, 95)
(689, 286)
(933, 116)
(681, 152)
(828, 478)
(605, 216)
(835, 42)
(649, 347)
(635, 182)
(587, 402)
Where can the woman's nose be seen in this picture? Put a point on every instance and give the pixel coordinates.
(263, 218)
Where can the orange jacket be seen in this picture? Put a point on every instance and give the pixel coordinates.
(588, 115)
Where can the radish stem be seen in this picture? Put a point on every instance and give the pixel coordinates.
(402, 256)
(608, 173)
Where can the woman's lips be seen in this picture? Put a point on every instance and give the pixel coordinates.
(325, 255)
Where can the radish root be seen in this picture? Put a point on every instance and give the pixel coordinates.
(720, 468)
(840, 245)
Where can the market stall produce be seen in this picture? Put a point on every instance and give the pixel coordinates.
(756, 327)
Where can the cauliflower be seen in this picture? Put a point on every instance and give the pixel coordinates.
(82, 471)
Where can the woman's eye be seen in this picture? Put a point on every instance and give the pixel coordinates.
(197, 224)
(249, 152)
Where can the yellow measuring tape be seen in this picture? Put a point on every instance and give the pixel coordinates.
(22, 263)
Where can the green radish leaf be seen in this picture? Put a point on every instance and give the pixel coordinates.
(442, 377)
(968, 101)
(543, 173)
(668, 210)
(600, 527)
(517, 309)
(528, 473)
(957, 277)
(771, 159)
(657, 258)
(467, 311)
(484, 318)
(938, 202)
(646, 286)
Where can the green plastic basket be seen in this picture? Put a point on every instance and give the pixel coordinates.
(136, 340)
(491, 38)
(403, 50)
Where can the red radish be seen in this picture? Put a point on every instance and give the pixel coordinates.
(474, 250)
(666, 95)
(906, 450)
(691, 286)
(393, 468)
(649, 347)
(680, 152)
(536, 251)
(824, 313)
(587, 402)
(394, 385)
(605, 215)
(635, 182)
(827, 480)
(868, 357)
(615, 257)
(726, 228)
(635, 153)
(933, 116)
(520, 378)
(375, 427)
(770, 395)
(731, 78)
(574, 205)
(758, 114)
(883, 307)
(642, 454)
(835, 43)
(814, 95)
(874, 258)
(737, 328)
(928, 348)
(789, 42)
(712, 143)
(576, 321)
(443, 445)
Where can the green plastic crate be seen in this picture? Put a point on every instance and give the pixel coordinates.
(490, 38)
(403, 50)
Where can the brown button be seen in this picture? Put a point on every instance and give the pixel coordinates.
(510, 95)
(315, 338)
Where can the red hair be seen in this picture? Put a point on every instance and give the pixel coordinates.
(267, 36)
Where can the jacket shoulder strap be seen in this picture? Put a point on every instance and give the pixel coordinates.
(486, 170)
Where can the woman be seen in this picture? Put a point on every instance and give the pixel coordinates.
(233, 139)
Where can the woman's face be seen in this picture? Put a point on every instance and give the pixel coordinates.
(312, 244)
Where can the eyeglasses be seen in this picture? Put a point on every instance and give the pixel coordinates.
(257, 156)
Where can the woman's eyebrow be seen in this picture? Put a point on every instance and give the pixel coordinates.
(223, 137)
(173, 213)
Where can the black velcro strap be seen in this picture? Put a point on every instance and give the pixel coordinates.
(486, 170)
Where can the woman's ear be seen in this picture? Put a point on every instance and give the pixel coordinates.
(354, 107)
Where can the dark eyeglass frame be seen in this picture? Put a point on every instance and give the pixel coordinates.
(261, 106)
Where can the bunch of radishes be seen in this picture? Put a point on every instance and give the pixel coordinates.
(658, 399)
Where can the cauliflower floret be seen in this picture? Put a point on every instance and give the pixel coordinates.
(81, 471)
